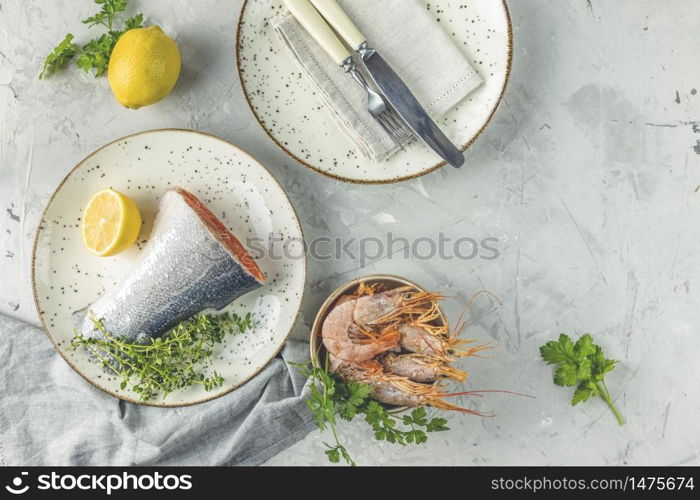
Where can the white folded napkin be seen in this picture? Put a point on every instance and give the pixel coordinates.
(407, 35)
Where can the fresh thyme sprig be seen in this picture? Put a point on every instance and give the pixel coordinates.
(95, 54)
(167, 363)
(331, 397)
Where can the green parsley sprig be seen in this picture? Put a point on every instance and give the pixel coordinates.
(168, 363)
(331, 398)
(582, 365)
(95, 54)
(60, 56)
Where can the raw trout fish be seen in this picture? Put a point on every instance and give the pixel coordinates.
(190, 263)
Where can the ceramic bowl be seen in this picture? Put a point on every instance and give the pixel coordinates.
(317, 349)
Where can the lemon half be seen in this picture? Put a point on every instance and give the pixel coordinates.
(111, 223)
(144, 67)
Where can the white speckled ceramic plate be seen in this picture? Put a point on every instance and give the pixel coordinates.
(66, 277)
(304, 129)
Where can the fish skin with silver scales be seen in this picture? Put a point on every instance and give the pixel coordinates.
(190, 263)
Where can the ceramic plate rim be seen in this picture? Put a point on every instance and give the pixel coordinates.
(462, 148)
(53, 341)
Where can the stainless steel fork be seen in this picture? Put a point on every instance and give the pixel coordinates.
(313, 22)
(384, 114)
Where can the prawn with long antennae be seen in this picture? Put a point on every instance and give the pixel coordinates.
(359, 328)
(424, 334)
(424, 341)
(417, 317)
(399, 391)
(364, 331)
(393, 306)
(420, 367)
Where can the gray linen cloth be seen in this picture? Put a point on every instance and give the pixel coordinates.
(410, 39)
(49, 415)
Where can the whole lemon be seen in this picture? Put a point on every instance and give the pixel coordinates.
(144, 67)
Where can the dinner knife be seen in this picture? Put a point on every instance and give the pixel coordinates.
(390, 84)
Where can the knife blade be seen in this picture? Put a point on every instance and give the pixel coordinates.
(408, 108)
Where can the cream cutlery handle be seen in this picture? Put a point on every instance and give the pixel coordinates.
(339, 20)
(312, 22)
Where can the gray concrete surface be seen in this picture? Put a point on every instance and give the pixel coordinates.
(588, 179)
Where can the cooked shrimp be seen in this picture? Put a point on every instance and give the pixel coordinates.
(362, 329)
(354, 371)
(403, 392)
(351, 342)
(420, 339)
(420, 367)
(399, 391)
(371, 307)
(395, 306)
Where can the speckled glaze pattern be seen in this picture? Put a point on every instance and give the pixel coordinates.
(237, 189)
(284, 103)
